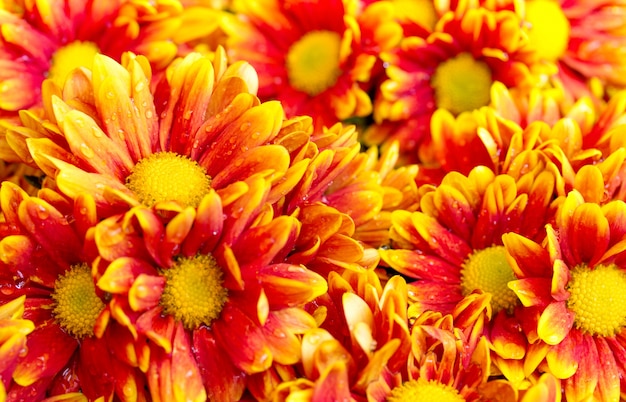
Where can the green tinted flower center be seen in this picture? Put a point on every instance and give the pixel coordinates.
(597, 299)
(421, 390)
(193, 292)
(313, 62)
(549, 28)
(489, 271)
(167, 176)
(462, 84)
(69, 57)
(77, 306)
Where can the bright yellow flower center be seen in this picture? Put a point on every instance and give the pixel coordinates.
(313, 62)
(167, 176)
(489, 271)
(77, 306)
(597, 299)
(69, 57)
(549, 28)
(461, 84)
(193, 292)
(421, 390)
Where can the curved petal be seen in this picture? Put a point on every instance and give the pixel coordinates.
(555, 323)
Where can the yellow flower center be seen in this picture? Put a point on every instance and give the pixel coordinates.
(193, 292)
(421, 390)
(597, 299)
(462, 83)
(549, 28)
(167, 176)
(77, 306)
(69, 57)
(489, 271)
(313, 62)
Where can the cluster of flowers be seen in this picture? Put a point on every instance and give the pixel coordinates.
(313, 200)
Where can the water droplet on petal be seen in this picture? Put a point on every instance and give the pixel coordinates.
(86, 151)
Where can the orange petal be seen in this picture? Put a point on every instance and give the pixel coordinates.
(555, 323)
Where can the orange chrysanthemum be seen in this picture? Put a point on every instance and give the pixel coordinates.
(453, 68)
(571, 287)
(209, 288)
(47, 248)
(202, 128)
(47, 39)
(316, 58)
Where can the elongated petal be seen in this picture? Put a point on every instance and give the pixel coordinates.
(555, 323)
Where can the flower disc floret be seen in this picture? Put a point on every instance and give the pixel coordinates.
(462, 84)
(597, 299)
(489, 271)
(167, 176)
(313, 62)
(421, 390)
(193, 292)
(77, 306)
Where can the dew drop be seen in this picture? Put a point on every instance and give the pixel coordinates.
(110, 95)
(42, 213)
(97, 132)
(86, 151)
(149, 114)
(140, 86)
(245, 126)
(187, 114)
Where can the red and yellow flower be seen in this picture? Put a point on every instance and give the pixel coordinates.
(453, 68)
(316, 58)
(209, 288)
(47, 249)
(571, 289)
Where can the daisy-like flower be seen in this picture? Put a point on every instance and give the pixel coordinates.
(364, 330)
(209, 288)
(449, 360)
(453, 68)
(316, 58)
(585, 39)
(571, 287)
(48, 39)
(46, 251)
(13, 331)
(202, 128)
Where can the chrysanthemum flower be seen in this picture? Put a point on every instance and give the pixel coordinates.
(447, 362)
(202, 128)
(316, 58)
(571, 287)
(364, 330)
(452, 246)
(48, 39)
(585, 39)
(46, 252)
(453, 68)
(209, 288)
(13, 331)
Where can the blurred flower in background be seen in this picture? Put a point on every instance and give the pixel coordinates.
(312, 200)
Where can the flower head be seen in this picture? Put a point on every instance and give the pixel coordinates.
(570, 287)
(316, 59)
(47, 248)
(208, 286)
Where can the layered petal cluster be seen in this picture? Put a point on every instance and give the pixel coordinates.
(13, 331)
(212, 296)
(571, 289)
(316, 58)
(47, 249)
(453, 68)
(363, 332)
